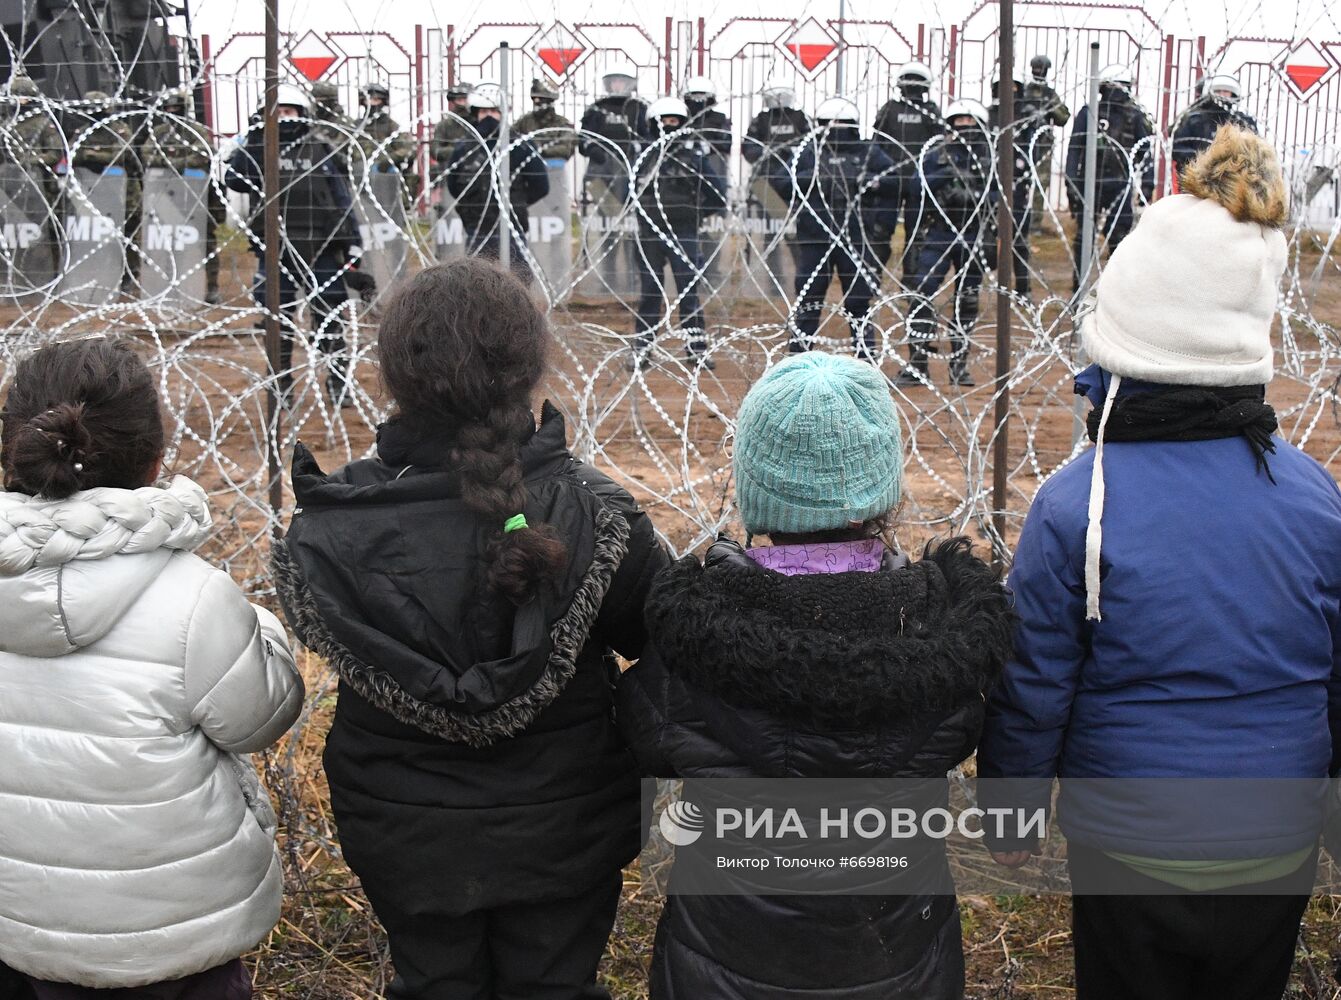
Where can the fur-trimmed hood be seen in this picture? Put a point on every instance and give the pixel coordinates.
(378, 575)
(835, 651)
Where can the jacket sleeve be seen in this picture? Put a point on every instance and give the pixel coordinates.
(588, 144)
(642, 709)
(1058, 113)
(1075, 149)
(752, 146)
(1028, 711)
(620, 622)
(534, 174)
(442, 141)
(244, 170)
(714, 184)
(242, 687)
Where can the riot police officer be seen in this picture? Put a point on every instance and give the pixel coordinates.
(333, 127)
(1217, 106)
(31, 139)
(957, 232)
(700, 97)
(319, 237)
(180, 143)
(1046, 110)
(549, 130)
(678, 183)
(903, 127)
(1125, 162)
(775, 132)
(109, 142)
(842, 183)
(613, 132)
(470, 178)
(454, 125)
(384, 147)
(1024, 180)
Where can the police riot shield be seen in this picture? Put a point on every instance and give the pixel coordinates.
(551, 227)
(768, 271)
(95, 217)
(29, 251)
(607, 256)
(383, 228)
(449, 234)
(172, 236)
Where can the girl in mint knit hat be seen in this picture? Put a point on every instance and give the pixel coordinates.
(827, 654)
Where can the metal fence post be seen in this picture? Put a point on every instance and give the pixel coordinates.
(504, 160)
(270, 186)
(1087, 224)
(1005, 274)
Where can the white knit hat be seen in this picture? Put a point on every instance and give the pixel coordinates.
(1189, 296)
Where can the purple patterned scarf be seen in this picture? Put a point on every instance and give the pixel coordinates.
(863, 556)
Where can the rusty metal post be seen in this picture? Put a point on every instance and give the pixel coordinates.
(1005, 278)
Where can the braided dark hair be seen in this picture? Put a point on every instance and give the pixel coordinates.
(462, 347)
(80, 415)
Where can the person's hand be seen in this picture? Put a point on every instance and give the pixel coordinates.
(1011, 859)
(362, 283)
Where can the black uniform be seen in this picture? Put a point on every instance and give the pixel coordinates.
(471, 180)
(1196, 129)
(483, 795)
(1044, 109)
(679, 184)
(752, 674)
(318, 231)
(1023, 184)
(1125, 164)
(958, 232)
(903, 127)
(843, 183)
(614, 132)
(770, 141)
(713, 125)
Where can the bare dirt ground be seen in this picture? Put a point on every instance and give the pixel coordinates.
(656, 433)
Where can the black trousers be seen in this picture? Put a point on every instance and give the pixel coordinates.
(816, 263)
(319, 285)
(683, 250)
(1190, 946)
(529, 951)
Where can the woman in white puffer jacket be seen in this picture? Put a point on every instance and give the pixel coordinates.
(136, 847)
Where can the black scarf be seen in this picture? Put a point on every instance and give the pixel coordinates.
(1192, 413)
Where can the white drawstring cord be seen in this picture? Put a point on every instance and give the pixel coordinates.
(1094, 532)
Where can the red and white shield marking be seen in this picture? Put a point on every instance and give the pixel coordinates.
(810, 44)
(312, 56)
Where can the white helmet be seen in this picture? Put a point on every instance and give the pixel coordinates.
(699, 86)
(837, 109)
(290, 96)
(620, 79)
(913, 74)
(1115, 75)
(1225, 82)
(665, 107)
(966, 106)
(777, 94)
(488, 96)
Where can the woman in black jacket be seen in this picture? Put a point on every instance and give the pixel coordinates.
(825, 655)
(469, 583)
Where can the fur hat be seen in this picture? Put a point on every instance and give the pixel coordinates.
(1189, 296)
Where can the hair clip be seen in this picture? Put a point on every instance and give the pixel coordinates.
(79, 467)
(515, 523)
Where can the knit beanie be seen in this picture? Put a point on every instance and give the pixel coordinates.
(1188, 297)
(818, 446)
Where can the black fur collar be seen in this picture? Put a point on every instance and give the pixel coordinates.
(836, 650)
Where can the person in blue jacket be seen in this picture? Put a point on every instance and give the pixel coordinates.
(1179, 594)
(958, 230)
(471, 180)
(842, 184)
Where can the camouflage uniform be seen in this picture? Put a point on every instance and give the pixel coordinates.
(449, 132)
(107, 144)
(334, 127)
(553, 145)
(32, 139)
(180, 143)
(384, 146)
